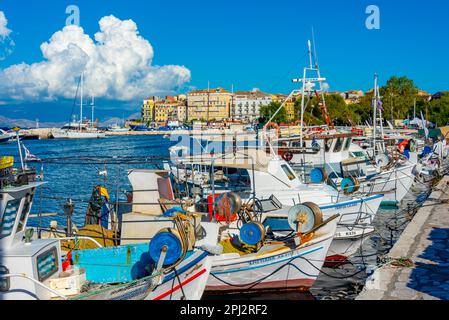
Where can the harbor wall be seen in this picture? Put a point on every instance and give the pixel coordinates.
(417, 266)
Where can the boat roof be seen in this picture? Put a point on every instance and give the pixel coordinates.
(248, 159)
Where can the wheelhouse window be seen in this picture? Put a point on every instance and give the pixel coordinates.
(47, 264)
(9, 218)
(26, 208)
(347, 144)
(328, 144)
(4, 282)
(338, 145)
(291, 176)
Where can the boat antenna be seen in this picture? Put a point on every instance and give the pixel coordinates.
(310, 53)
(20, 147)
(314, 48)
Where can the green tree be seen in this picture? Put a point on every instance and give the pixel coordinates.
(266, 112)
(438, 111)
(398, 97)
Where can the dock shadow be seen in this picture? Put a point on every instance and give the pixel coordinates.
(433, 279)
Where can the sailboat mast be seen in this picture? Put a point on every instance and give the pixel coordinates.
(375, 114)
(81, 100)
(93, 107)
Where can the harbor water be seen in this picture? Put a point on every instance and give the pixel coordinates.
(72, 168)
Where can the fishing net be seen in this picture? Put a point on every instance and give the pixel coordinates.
(135, 290)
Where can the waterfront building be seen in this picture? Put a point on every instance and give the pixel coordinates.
(148, 110)
(170, 109)
(353, 96)
(246, 105)
(161, 110)
(209, 104)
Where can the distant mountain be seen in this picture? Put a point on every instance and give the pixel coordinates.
(25, 123)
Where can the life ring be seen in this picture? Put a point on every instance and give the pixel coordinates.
(168, 240)
(252, 233)
(287, 156)
(304, 217)
(350, 185)
(318, 175)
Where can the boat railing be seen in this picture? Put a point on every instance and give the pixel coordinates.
(20, 275)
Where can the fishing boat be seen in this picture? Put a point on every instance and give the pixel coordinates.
(329, 148)
(80, 129)
(253, 259)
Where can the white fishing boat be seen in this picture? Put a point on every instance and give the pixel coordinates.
(275, 265)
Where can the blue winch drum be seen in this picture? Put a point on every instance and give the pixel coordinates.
(349, 185)
(318, 175)
(252, 233)
(172, 240)
(304, 217)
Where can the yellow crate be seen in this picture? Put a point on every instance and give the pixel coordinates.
(6, 162)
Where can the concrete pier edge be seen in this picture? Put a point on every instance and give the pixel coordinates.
(389, 282)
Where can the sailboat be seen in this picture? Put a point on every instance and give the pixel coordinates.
(80, 130)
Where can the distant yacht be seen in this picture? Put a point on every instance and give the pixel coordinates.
(79, 130)
(117, 128)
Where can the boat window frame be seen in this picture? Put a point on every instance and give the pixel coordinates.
(25, 210)
(339, 145)
(328, 144)
(55, 268)
(5, 283)
(347, 144)
(288, 172)
(19, 202)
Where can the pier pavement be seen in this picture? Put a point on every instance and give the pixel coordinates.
(425, 242)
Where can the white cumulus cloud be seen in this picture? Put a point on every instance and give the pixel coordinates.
(4, 31)
(117, 65)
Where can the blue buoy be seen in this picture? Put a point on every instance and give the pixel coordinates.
(317, 175)
(171, 240)
(252, 233)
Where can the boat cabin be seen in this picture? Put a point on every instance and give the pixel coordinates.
(26, 261)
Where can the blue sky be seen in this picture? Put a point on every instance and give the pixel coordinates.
(259, 43)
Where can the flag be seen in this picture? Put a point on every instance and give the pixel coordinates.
(380, 105)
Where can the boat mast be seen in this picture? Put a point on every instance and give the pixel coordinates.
(81, 100)
(93, 107)
(374, 115)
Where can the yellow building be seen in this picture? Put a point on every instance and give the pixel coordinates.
(208, 105)
(155, 109)
(148, 109)
(170, 110)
